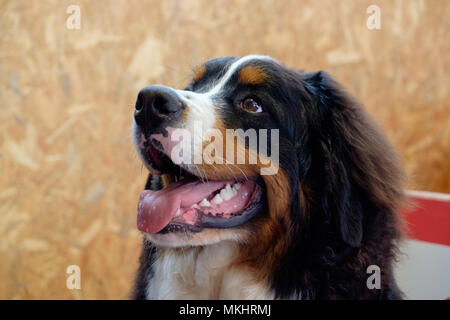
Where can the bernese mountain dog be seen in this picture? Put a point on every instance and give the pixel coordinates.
(218, 228)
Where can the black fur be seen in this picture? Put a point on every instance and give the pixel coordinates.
(353, 184)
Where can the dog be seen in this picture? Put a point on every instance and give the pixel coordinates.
(223, 230)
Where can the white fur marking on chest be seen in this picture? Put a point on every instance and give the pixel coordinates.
(203, 273)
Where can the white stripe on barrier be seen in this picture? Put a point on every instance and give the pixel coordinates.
(429, 195)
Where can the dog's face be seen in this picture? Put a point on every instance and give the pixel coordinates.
(218, 192)
(258, 153)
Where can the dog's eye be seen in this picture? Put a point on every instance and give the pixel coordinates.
(251, 105)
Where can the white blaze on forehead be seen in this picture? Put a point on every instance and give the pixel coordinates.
(201, 105)
(232, 69)
(207, 96)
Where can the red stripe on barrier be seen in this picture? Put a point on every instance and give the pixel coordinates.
(428, 219)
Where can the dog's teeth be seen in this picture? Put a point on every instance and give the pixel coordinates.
(217, 199)
(234, 190)
(236, 186)
(227, 193)
(205, 203)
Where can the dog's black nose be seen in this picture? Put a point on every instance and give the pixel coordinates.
(156, 106)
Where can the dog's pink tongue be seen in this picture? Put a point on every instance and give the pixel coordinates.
(157, 208)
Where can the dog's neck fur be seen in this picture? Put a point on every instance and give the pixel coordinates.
(205, 272)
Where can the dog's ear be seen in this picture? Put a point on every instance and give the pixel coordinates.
(360, 172)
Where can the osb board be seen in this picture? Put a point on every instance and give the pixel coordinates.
(69, 176)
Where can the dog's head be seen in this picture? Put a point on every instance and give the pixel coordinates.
(255, 152)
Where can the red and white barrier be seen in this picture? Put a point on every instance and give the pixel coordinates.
(423, 271)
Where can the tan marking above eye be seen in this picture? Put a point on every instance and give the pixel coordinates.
(199, 73)
(252, 75)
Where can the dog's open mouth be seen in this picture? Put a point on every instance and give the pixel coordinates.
(192, 204)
